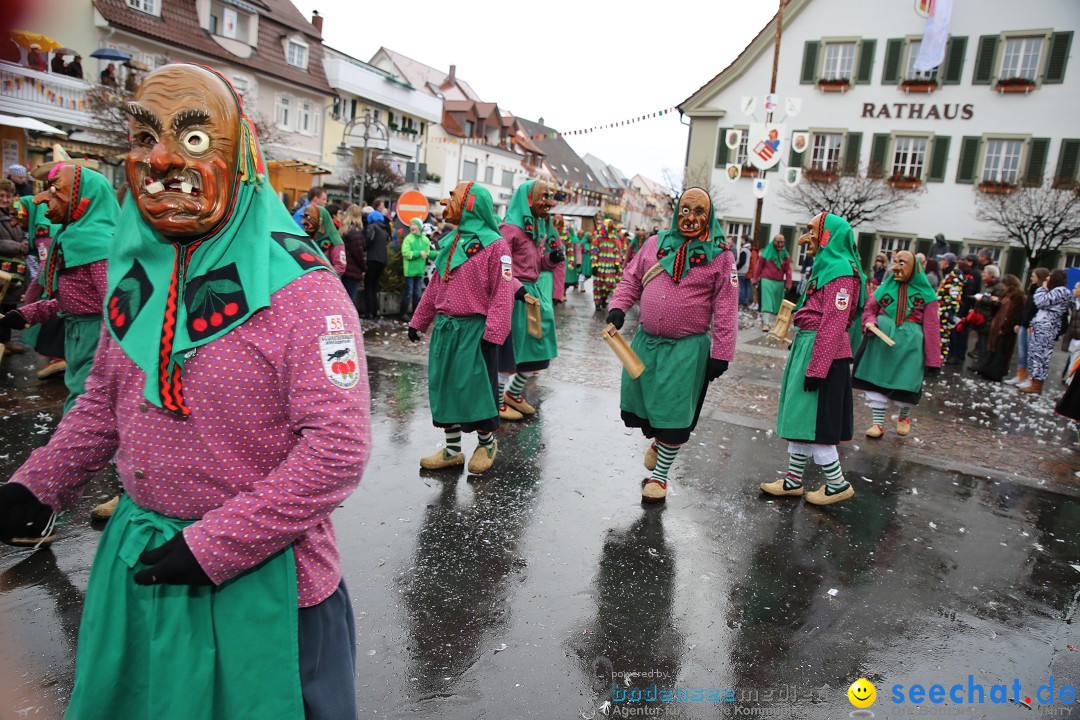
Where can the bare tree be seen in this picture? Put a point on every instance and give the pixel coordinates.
(107, 113)
(858, 198)
(699, 175)
(1041, 219)
(381, 180)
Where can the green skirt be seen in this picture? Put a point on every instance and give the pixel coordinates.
(887, 368)
(527, 348)
(183, 652)
(772, 294)
(459, 384)
(667, 393)
(80, 345)
(822, 416)
(586, 263)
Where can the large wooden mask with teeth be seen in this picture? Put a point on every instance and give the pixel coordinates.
(182, 167)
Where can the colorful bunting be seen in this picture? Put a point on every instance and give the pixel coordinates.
(554, 135)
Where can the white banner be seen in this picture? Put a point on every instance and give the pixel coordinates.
(765, 143)
(932, 49)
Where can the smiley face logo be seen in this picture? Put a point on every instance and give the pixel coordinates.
(862, 693)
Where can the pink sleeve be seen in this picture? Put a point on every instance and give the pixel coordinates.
(83, 443)
(787, 273)
(337, 259)
(832, 341)
(725, 315)
(33, 292)
(333, 426)
(628, 292)
(501, 300)
(871, 311)
(99, 282)
(40, 311)
(545, 261)
(425, 309)
(932, 335)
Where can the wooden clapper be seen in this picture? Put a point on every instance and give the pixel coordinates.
(629, 358)
(783, 322)
(534, 324)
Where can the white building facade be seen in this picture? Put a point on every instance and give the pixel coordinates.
(1000, 111)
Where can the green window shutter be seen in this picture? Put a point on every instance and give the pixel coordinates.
(866, 249)
(953, 70)
(1036, 161)
(879, 147)
(788, 231)
(939, 157)
(894, 48)
(1015, 259)
(1059, 56)
(984, 60)
(852, 148)
(795, 159)
(809, 62)
(866, 61)
(721, 148)
(1068, 159)
(969, 159)
(766, 229)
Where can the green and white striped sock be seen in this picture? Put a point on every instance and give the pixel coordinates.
(796, 466)
(879, 416)
(517, 387)
(485, 438)
(905, 412)
(665, 456)
(453, 441)
(834, 478)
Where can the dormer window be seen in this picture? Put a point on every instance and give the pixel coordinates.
(297, 53)
(470, 127)
(150, 7)
(229, 22)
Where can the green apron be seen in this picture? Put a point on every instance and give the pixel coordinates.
(586, 260)
(893, 368)
(667, 393)
(459, 386)
(526, 347)
(183, 652)
(772, 294)
(81, 334)
(796, 419)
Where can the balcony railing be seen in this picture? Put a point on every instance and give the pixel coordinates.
(44, 96)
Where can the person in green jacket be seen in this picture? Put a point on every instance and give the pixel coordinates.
(415, 248)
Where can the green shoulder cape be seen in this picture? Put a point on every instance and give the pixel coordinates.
(677, 255)
(837, 256)
(479, 228)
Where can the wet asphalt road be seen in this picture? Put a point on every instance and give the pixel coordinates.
(521, 594)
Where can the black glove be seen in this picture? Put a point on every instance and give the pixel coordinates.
(616, 317)
(810, 384)
(171, 564)
(21, 514)
(12, 321)
(556, 257)
(486, 345)
(520, 294)
(414, 335)
(716, 368)
(932, 371)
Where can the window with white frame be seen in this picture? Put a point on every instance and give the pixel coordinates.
(1021, 58)
(241, 86)
(890, 245)
(468, 170)
(994, 250)
(912, 74)
(825, 151)
(742, 154)
(297, 54)
(737, 228)
(283, 112)
(839, 61)
(307, 118)
(146, 6)
(1072, 260)
(909, 158)
(1002, 161)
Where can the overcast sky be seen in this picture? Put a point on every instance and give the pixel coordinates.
(576, 64)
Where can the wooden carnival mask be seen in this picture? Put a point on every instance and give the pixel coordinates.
(57, 194)
(695, 210)
(812, 239)
(541, 200)
(311, 220)
(454, 206)
(182, 167)
(903, 266)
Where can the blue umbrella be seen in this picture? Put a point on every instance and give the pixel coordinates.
(110, 54)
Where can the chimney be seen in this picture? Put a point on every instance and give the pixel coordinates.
(316, 20)
(452, 77)
(540, 121)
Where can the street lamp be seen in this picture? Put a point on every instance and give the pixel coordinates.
(344, 153)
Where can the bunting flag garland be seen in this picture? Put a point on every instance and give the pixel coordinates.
(553, 135)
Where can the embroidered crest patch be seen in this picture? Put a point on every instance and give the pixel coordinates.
(734, 279)
(843, 300)
(507, 270)
(339, 359)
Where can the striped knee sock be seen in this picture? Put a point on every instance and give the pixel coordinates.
(879, 416)
(796, 466)
(503, 379)
(665, 456)
(486, 438)
(453, 441)
(834, 478)
(517, 387)
(905, 412)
